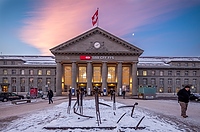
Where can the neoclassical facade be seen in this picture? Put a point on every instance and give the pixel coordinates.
(96, 58)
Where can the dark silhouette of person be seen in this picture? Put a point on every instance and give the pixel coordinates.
(50, 95)
(183, 99)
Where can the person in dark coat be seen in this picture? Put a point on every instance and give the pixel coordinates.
(50, 95)
(183, 99)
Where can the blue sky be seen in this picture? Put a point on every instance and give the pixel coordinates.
(161, 28)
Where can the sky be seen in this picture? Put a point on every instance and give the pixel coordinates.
(57, 116)
(160, 27)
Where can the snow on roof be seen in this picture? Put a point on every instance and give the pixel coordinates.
(32, 60)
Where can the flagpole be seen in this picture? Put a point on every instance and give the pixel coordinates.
(98, 17)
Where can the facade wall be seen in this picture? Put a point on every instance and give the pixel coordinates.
(19, 77)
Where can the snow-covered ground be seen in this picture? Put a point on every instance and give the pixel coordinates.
(57, 116)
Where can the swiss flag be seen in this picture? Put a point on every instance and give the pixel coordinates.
(95, 18)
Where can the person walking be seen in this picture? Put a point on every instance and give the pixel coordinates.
(183, 99)
(50, 95)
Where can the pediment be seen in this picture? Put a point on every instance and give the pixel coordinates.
(107, 44)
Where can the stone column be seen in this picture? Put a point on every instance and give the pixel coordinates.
(119, 76)
(89, 78)
(134, 79)
(59, 78)
(104, 76)
(74, 75)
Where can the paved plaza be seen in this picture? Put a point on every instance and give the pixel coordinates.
(165, 109)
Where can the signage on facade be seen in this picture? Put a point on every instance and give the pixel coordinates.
(84, 57)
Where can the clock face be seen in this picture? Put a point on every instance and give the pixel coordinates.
(97, 45)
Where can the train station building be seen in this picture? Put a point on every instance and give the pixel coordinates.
(96, 58)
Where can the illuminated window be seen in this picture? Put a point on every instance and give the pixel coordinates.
(31, 80)
(161, 73)
(153, 73)
(125, 75)
(39, 81)
(82, 74)
(5, 72)
(48, 81)
(96, 74)
(144, 73)
(22, 72)
(30, 72)
(39, 72)
(111, 74)
(68, 75)
(48, 72)
(5, 80)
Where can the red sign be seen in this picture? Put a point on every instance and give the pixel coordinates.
(83, 57)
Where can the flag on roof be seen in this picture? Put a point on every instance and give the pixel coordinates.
(95, 18)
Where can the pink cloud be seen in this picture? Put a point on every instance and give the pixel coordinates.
(60, 20)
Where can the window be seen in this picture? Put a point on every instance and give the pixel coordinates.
(111, 74)
(125, 75)
(12, 62)
(14, 89)
(144, 73)
(193, 64)
(22, 80)
(186, 73)
(48, 81)
(22, 89)
(68, 75)
(31, 80)
(178, 64)
(162, 81)
(169, 90)
(82, 74)
(48, 72)
(5, 72)
(144, 81)
(22, 72)
(96, 74)
(194, 82)
(178, 81)
(186, 64)
(153, 81)
(13, 72)
(153, 73)
(194, 73)
(161, 73)
(178, 73)
(30, 72)
(5, 80)
(13, 80)
(5, 62)
(186, 81)
(39, 80)
(169, 81)
(39, 72)
(169, 73)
